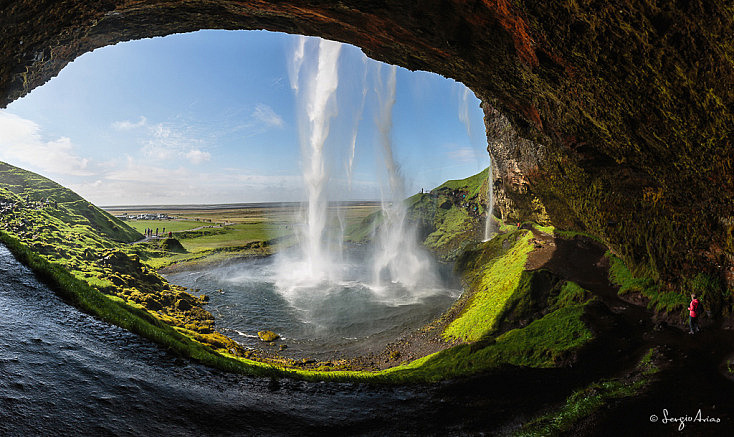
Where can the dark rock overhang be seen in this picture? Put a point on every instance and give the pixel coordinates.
(620, 116)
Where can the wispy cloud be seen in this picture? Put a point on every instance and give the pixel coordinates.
(21, 142)
(129, 125)
(161, 141)
(197, 156)
(265, 114)
(462, 154)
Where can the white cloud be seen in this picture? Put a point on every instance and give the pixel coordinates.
(165, 143)
(21, 142)
(128, 125)
(265, 114)
(462, 154)
(197, 156)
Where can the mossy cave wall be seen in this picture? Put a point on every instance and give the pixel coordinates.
(610, 117)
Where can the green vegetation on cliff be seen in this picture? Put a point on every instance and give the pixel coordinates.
(41, 199)
(83, 251)
(452, 215)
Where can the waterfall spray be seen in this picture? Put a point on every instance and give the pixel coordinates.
(464, 110)
(315, 85)
(397, 256)
(357, 119)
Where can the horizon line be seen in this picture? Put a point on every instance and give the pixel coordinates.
(228, 205)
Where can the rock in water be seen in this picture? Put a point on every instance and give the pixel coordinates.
(268, 336)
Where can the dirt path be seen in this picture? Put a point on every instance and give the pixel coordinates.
(691, 378)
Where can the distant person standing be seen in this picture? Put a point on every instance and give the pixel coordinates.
(694, 311)
(156, 232)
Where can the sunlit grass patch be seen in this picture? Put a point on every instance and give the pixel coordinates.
(543, 343)
(494, 280)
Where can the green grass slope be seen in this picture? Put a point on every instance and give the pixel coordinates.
(32, 191)
(452, 215)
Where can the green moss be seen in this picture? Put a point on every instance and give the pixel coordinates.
(585, 402)
(493, 281)
(454, 228)
(550, 229)
(659, 299)
(543, 343)
(570, 292)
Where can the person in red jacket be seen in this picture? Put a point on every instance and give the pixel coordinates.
(694, 310)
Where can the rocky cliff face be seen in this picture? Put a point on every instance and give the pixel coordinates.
(615, 118)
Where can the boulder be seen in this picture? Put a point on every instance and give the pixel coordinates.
(183, 305)
(268, 336)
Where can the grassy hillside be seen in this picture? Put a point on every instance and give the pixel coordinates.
(31, 191)
(449, 218)
(452, 215)
(475, 185)
(84, 252)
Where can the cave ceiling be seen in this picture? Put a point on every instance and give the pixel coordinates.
(615, 115)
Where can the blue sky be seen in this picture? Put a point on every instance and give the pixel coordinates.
(211, 117)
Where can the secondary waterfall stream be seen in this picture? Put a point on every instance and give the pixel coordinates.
(488, 226)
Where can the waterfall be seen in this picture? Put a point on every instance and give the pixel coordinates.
(314, 79)
(488, 226)
(397, 255)
(318, 267)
